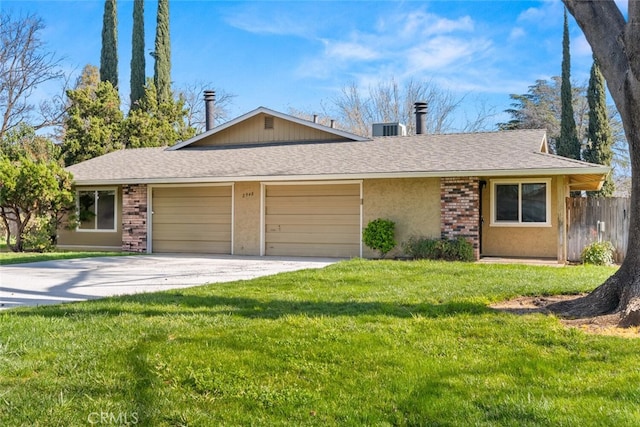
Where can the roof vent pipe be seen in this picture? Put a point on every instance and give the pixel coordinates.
(209, 103)
(333, 123)
(315, 118)
(421, 117)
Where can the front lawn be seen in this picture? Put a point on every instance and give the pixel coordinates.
(356, 343)
(23, 257)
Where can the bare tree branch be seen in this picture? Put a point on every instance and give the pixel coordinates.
(388, 102)
(194, 101)
(24, 65)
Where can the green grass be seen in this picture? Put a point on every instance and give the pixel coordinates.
(357, 343)
(23, 257)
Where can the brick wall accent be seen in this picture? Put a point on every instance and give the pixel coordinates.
(134, 218)
(460, 210)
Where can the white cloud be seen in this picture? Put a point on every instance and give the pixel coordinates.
(441, 52)
(420, 23)
(517, 33)
(400, 44)
(349, 51)
(580, 46)
(254, 20)
(548, 14)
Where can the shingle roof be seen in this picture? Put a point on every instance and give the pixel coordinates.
(489, 153)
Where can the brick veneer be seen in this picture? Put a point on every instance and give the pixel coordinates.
(460, 210)
(134, 218)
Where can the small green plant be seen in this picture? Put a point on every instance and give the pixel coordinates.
(379, 235)
(598, 253)
(40, 235)
(439, 249)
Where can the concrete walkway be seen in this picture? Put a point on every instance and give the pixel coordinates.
(52, 282)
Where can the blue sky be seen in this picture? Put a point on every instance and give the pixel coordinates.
(299, 55)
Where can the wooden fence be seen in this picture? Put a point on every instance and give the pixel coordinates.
(585, 215)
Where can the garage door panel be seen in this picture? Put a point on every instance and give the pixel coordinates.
(312, 200)
(191, 219)
(301, 238)
(194, 202)
(191, 247)
(313, 249)
(216, 209)
(185, 228)
(312, 220)
(186, 192)
(316, 190)
(195, 236)
(309, 210)
(311, 228)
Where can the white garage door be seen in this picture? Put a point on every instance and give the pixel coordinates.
(313, 220)
(191, 219)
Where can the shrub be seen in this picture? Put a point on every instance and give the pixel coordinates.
(379, 235)
(598, 253)
(40, 235)
(439, 249)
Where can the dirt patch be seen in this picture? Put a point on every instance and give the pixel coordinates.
(600, 325)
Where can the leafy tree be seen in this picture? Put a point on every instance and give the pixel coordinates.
(155, 124)
(599, 137)
(94, 120)
(109, 51)
(615, 41)
(568, 144)
(137, 54)
(162, 54)
(33, 194)
(539, 108)
(22, 141)
(24, 65)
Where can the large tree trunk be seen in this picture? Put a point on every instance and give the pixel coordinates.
(616, 45)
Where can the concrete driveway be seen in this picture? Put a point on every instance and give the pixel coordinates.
(52, 282)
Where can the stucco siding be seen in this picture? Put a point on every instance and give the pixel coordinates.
(514, 241)
(94, 240)
(246, 231)
(413, 204)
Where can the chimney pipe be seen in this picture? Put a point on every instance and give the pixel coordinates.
(333, 122)
(209, 102)
(421, 117)
(315, 118)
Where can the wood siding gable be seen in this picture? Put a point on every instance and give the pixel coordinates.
(263, 129)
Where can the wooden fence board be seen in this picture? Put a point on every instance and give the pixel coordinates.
(583, 215)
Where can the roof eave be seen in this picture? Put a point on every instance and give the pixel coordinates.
(600, 172)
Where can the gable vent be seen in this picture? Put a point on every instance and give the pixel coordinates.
(268, 122)
(389, 129)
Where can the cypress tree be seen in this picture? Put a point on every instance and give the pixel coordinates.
(568, 144)
(599, 135)
(137, 55)
(109, 51)
(162, 54)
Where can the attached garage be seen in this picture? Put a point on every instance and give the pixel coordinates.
(191, 219)
(312, 220)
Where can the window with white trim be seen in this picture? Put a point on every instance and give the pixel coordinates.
(521, 203)
(97, 210)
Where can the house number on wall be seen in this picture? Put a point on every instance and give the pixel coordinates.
(247, 195)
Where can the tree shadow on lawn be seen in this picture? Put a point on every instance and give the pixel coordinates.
(177, 303)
